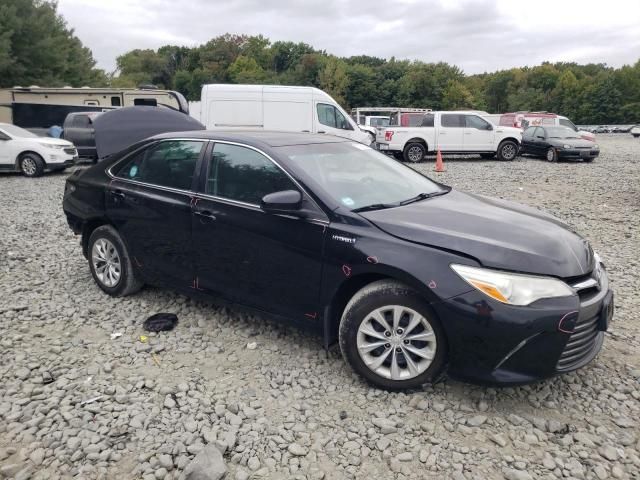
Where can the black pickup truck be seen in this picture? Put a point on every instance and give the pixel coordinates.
(78, 129)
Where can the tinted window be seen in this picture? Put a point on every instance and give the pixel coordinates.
(452, 120)
(331, 117)
(529, 132)
(167, 164)
(427, 120)
(242, 174)
(115, 101)
(80, 121)
(473, 121)
(150, 102)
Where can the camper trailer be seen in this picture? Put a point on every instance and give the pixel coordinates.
(38, 108)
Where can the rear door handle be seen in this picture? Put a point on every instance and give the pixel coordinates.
(321, 131)
(117, 193)
(305, 131)
(205, 214)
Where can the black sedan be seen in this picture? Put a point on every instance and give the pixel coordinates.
(557, 143)
(413, 278)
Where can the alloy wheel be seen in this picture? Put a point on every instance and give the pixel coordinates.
(551, 155)
(396, 342)
(106, 262)
(29, 166)
(415, 154)
(508, 151)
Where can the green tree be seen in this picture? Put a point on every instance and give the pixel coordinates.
(246, 70)
(456, 96)
(363, 86)
(334, 80)
(37, 47)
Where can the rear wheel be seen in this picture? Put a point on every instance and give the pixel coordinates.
(552, 155)
(110, 263)
(414, 152)
(390, 337)
(507, 150)
(31, 165)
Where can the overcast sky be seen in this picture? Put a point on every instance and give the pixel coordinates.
(476, 35)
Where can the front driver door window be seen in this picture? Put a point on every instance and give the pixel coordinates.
(263, 260)
(332, 121)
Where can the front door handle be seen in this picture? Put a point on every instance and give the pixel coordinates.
(205, 214)
(117, 193)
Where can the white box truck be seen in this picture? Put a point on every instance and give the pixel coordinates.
(274, 107)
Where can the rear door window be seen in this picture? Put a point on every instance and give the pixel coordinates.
(80, 121)
(169, 163)
(427, 120)
(453, 120)
(243, 174)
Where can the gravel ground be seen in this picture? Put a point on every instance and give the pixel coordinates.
(77, 400)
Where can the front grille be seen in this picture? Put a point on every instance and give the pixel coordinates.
(70, 151)
(580, 344)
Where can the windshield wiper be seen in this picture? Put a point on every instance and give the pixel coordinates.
(422, 196)
(374, 206)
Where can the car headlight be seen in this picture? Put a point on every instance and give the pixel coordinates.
(512, 288)
(52, 146)
(567, 146)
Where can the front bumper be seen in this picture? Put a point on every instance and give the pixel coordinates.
(577, 154)
(496, 344)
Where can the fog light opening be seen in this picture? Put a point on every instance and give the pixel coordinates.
(567, 324)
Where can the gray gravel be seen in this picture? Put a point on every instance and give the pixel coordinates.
(75, 402)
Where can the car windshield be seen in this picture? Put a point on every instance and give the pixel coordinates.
(17, 131)
(359, 177)
(561, 132)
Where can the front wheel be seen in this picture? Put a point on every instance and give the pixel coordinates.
(390, 337)
(31, 165)
(110, 263)
(414, 152)
(507, 150)
(552, 155)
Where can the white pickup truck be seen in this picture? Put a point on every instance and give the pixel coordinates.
(451, 132)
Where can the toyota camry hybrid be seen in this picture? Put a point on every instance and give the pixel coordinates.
(414, 279)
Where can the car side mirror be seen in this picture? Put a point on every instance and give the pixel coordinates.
(489, 127)
(285, 201)
(540, 136)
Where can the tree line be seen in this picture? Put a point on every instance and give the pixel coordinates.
(54, 56)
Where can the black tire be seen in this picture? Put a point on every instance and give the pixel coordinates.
(414, 152)
(551, 155)
(507, 151)
(31, 165)
(487, 156)
(128, 282)
(380, 294)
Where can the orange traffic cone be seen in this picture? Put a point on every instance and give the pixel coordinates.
(439, 163)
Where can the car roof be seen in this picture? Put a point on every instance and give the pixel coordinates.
(256, 137)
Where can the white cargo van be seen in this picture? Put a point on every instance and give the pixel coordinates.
(273, 107)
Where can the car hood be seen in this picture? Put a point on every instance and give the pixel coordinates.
(574, 142)
(516, 132)
(497, 233)
(52, 141)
